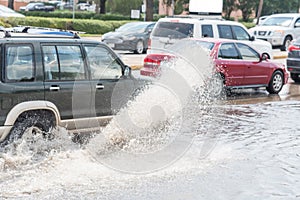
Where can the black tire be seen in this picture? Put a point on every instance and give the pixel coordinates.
(295, 77)
(139, 48)
(276, 83)
(286, 43)
(42, 120)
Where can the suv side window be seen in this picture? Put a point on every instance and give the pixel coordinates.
(63, 62)
(207, 30)
(228, 51)
(19, 65)
(297, 23)
(103, 64)
(225, 31)
(240, 33)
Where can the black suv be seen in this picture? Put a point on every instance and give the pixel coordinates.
(48, 81)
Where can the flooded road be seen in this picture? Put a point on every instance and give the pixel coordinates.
(245, 146)
(251, 150)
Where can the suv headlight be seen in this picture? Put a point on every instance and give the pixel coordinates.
(278, 33)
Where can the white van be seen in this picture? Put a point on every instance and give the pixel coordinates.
(171, 29)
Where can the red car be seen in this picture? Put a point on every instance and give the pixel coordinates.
(239, 65)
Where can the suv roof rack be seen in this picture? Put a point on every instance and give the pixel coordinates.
(23, 31)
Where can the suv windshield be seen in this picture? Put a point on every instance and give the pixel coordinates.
(278, 21)
(173, 30)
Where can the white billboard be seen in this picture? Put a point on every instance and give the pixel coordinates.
(206, 7)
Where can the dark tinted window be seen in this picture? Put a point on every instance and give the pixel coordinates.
(173, 30)
(228, 51)
(103, 64)
(63, 62)
(19, 65)
(240, 33)
(207, 31)
(225, 31)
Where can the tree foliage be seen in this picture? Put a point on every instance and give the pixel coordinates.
(278, 6)
(123, 7)
(250, 7)
(228, 7)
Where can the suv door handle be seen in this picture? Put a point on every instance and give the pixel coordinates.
(99, 87)
(54, 88)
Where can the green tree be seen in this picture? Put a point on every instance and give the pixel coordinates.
(277, 6)
(247, 7)
(228, 7)
(123, 7)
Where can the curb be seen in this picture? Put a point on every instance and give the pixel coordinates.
(280, 57)
(136, 67)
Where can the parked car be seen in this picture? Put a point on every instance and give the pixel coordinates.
(86, 7)
(37, 7)
(279, 29)
(131, 36)
(261, 19)
(237, 64)
(57, 80)
(7, 12)
(168, 31)
(293, 60)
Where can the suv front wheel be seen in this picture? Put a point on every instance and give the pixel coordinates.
(295, 77)
(286, 43)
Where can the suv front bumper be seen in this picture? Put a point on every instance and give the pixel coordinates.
(275, 41)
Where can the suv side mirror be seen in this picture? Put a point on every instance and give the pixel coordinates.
(252, 38)
(127, 71)
(297, 24)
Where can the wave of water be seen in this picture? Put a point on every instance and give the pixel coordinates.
(150, 135)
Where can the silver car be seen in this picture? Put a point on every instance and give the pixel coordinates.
(132, 36)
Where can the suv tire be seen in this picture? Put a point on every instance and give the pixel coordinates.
(295, 77)
(41, 120)
(276, 83)
(286, 43)
(139, 48)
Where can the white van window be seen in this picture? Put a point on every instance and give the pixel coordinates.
(240, 33)
(207, 30)
(174, 30)
(225, 31)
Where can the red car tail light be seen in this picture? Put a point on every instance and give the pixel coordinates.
(294, 48)
(153, 60)
(152, 63)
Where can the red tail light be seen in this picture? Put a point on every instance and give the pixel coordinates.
(293, 48)
(153, 60)
(152, 63)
